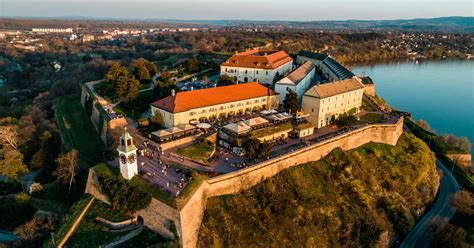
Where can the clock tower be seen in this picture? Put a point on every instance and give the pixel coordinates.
(127, 156)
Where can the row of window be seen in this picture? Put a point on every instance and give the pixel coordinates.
(246, 71)
(240, 104)
(349, 94)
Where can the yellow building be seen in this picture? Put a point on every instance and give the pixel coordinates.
(326, 102)
(205, 104)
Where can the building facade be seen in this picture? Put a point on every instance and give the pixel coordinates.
(325, 102)
(262, 66)
(297, 81)
(205, 104)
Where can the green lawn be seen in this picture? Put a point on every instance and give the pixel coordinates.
(90, 233)
(153, 190)
(136, 108)
(77, 131)
(262, 132)
(371, 118)
(200, 151)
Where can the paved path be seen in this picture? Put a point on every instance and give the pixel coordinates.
(418, 236)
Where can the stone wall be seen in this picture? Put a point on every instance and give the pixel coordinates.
(369, 89)
(159, 217)
(179, 142)
(191, 214)
(93, 188)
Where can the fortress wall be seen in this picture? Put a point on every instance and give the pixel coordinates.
(192, 213)
(159, 217)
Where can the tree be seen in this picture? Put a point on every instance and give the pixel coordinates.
(143, 63)
(256, 149)
(192, 64)
(346, 119)
(116, 72)
(444, 234)
(225, 80)
(463, 202)
(423, 124)
(142, 74)
(290, 103)
(157, 118)
(67, 168)
(11, 163)
(9, 132)
(127, 89)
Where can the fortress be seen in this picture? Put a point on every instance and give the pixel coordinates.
(186, 219)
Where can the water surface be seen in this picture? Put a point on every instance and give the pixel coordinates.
(440, 92)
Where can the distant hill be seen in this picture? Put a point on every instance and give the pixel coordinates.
(442, 24)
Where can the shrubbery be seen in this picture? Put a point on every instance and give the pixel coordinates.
(347, 199)
(125, 197)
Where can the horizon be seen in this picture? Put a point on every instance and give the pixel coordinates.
(232, 10)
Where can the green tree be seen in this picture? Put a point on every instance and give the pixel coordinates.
(192, 64)
(38, 159)
(142, 74)
(346, 119)
(127, 89)
(290, 103)
(225, 80)
(11, 163)
(157, 118)
(143, 63)
(67, 168)
(256, 149)
(116, 72)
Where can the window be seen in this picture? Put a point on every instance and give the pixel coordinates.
(225, 69)
(245, 71)
(129, 142)
(257, 72)
(266, 73)
(312, 109)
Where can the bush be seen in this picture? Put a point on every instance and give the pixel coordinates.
(125, 197)
(346, 119)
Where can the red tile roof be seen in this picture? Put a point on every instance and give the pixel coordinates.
(261, 59)
(187, 100)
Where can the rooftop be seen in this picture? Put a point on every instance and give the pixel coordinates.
(335, 88)
(261, 59)
(187, 100)
(313, 55)
(340, 71)
(299, 74)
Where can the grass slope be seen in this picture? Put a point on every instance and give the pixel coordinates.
(77, 131)
(346, 199)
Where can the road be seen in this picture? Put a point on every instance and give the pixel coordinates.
(418, 237)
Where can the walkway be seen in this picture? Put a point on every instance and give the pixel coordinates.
(126, 237)
(418, 236)
(76, 223)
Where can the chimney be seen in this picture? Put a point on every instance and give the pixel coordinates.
(173, 92)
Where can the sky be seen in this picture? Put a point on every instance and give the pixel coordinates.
(297, 10)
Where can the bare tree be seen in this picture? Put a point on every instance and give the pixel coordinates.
(8, 135)
(67, 168)
(463, 201)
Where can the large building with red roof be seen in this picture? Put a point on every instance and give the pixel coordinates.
(262, 66)
(205, 104)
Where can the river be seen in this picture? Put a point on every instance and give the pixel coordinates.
(440, 92)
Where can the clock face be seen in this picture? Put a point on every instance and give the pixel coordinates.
(131, 158)
(123, 159)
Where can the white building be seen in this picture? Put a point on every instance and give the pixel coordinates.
(297, 81)
(127, 156)
(325, 102)
(52, 30)
(329, 68)
(257, 66)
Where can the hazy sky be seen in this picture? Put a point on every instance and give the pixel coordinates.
(238, 9)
